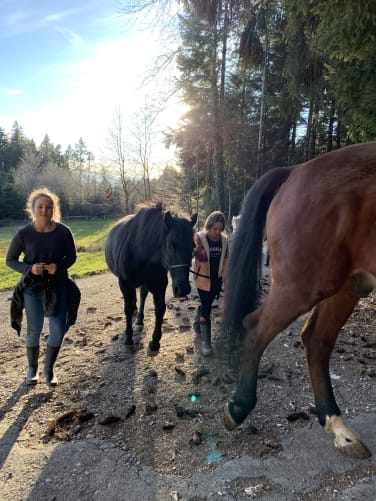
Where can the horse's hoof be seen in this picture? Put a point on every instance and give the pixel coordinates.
(138, 327)
(354, 449)
(345, 440)
(152, 353)
(234, 415)
(153, 349)
(129, 344)
(229, 421)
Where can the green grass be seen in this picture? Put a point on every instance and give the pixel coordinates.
(90, 237)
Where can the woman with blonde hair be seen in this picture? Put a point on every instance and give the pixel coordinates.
(48, 250)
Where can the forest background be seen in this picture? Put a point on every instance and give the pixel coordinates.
(265, 83)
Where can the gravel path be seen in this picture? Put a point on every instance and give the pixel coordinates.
(123, 426)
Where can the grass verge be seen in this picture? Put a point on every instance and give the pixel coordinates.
(90, 237)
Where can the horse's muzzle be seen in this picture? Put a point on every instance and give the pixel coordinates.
(181, 289)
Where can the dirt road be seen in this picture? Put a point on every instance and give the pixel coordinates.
(123, 426)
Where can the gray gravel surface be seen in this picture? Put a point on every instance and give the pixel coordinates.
(120, 426)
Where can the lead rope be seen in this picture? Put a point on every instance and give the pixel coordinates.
(198, 274)
(187, 266)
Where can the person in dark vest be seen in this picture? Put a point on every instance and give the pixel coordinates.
(210, 261)
(48, 250)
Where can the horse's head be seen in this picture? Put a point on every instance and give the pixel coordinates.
(178, 251)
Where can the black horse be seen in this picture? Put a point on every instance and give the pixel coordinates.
(140, 250)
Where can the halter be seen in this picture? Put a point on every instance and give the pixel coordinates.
(178, 266)
(170, 267)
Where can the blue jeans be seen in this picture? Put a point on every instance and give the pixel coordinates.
(35, 318)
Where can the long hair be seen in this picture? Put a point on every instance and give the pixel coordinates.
(43, 192)
(213, 218)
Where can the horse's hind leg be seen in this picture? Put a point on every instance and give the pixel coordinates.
(319, 336)
(261, 326)
(139, 324)
(130, 302)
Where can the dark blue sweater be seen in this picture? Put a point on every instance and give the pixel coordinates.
(56, 246)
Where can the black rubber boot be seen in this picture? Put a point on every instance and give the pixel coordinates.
(205, 344)
(196, 322)
(51, 355)
(32, 376)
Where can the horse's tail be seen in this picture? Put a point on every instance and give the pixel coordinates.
(242, 288)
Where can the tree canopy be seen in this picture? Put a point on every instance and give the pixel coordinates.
(267, 83)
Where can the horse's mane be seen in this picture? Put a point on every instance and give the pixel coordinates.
(150, 217)
(151, 204)
(162, 206)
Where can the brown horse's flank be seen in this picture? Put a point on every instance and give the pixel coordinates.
(321, 227)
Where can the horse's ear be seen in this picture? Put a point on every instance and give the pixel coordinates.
(167, 220)
(194, 219)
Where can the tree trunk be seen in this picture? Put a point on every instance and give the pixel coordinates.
(261, 135)
(307, 139)
(217, 104)
(331, 126)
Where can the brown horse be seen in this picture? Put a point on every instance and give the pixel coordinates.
(321, 227)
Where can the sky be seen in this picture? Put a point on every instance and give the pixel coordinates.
(68, 66)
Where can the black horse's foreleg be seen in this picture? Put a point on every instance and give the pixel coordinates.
(140, 315)
(159, 309)
(130, 303)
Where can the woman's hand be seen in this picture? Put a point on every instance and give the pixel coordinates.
(51, 268)
(37, 269)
